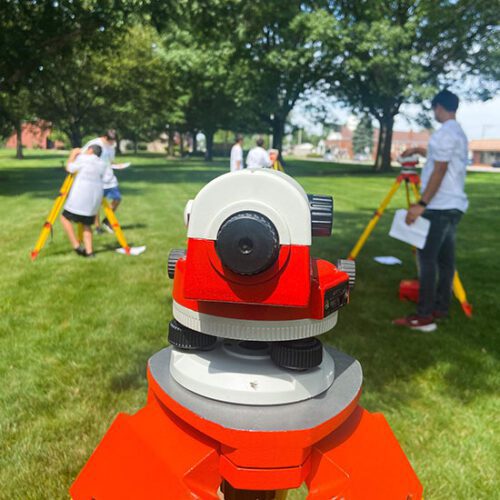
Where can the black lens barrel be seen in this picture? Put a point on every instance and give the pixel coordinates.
(247, 243)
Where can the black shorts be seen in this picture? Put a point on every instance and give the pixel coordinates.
(86, 220)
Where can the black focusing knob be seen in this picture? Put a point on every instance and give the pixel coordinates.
(321, 214)
(247, 243)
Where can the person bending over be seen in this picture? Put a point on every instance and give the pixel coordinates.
(443, 203)
(85, 196)
(107, 142)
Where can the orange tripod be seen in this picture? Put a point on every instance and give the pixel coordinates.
(182, 446)
(412, 181)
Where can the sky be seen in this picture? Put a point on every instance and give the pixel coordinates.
(480, 120)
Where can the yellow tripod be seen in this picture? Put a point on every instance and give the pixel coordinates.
(56, 210)
(412, 181)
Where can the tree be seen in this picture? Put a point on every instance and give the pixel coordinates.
(142, 87)
(36, 35)
(362, 139)
(69, 92)
(280, 62)
(400, 51)
(15, 108)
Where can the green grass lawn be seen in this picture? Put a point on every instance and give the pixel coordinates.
(75, 334)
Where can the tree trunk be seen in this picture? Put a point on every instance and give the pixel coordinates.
(118, 150)
(170, 147)
(19, 141)
(209, 136)
(195, 142)
(383, 158)
(278, 132)
(75, 137)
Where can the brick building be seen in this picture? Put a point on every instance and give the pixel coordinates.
(485, 151)
(340, 143)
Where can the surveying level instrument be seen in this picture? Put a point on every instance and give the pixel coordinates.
(56, 210)
(411, 180)
(247, 402)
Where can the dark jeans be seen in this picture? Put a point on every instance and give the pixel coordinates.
(437, 262)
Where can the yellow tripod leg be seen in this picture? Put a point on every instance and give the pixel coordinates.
(373, 222)
(115, 225)
(54, 212)
(80, 232)
(459, 291)
(415, 191)
(281, 494)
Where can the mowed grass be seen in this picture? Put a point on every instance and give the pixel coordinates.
(75, 334)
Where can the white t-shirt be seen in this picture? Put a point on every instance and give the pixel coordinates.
(108, 156)
(449, 144)
(236, 155)
(258, 158)
(85, 196)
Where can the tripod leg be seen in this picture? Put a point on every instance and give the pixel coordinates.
(80, 233)
(459, 291)
(115, 225)
(373, 222)
(407, 189)
(415, 192)
(362, 459)
(150, 455)
(54, 212)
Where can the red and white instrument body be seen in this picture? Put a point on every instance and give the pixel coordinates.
(290, 299)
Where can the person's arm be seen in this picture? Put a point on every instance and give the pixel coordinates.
(437, 176)
(70, 166)
(414, 151)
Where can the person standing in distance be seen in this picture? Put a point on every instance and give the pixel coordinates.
(258, 157)
(110, 183)
(236, 162)
(443, 202)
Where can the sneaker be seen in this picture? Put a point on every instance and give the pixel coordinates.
(90, 255)
(80, 251)
(414, 322)
(107, 226)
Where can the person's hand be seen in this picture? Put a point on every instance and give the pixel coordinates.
(407, 152)
(414, 212)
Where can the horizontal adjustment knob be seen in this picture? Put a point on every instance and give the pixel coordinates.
(173, 257)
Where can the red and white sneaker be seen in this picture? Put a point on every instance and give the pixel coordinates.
(414, 322)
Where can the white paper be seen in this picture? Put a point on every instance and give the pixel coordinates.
(120, 166)
(133, 250)
(414, 234)
(387, 260)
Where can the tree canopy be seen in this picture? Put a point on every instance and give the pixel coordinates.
(147, 67)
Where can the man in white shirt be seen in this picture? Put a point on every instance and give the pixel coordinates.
(85, 196)
(111, 191)
(236, 162)
(258, 157)
(443, 202)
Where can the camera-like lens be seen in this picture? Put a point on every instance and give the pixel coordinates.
(247, 243)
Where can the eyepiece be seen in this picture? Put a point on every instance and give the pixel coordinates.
(321, 214)
(247, 243)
